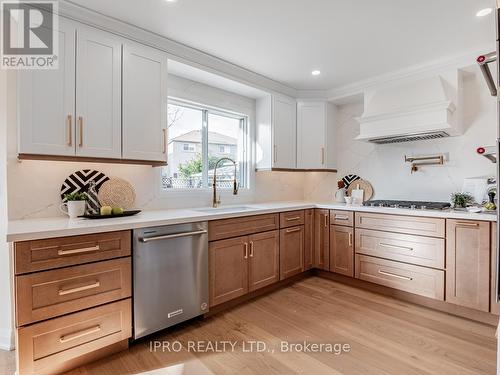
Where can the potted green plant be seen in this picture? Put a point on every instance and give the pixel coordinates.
(75, 204)
(461, 200)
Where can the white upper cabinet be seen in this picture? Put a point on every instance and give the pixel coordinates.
(315, 135)
(98, 94)
(276, 132)
(46, 102)
(144, 103)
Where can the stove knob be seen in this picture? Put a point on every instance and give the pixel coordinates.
(372, 204)
(396, 206)
(381, 205)
(423, 207)
(412, 207)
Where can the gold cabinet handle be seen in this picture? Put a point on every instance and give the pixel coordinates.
(78, 251)
(326, 220)
(395, 275)
(80, 124)
(79, 334)
(275, 153)
(63, 292)
(466, 224)
(293, 218)
(294, 230)
(251, 249)
(322, 155)
(350, 239)
(246, 250)
(336, 217)
(164, 140)
(70, 130)
(395, 246)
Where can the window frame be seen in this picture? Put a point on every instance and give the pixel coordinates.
(245, 154)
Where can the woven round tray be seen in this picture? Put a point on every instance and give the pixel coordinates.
(363, 185)
(117, 192)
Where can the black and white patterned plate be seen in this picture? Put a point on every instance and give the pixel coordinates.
(79, 182)
(349, 179)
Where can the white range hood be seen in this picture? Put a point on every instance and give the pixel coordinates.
(418, 110)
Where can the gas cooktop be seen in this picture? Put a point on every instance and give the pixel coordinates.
(413, 205)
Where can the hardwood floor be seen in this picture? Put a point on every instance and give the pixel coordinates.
(386, 336)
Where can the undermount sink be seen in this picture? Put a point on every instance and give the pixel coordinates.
(224, 209)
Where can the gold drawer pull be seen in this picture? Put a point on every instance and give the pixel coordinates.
(246, 250)
(293, 218)
(395, 275)
(293, 230)
(63, 292)
(78, 251)
(80, 120)
(395, 246)
(70, 130)
(465, 224)
(340, 217)
(79, 334)
(350, 239)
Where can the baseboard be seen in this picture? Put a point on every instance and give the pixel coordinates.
(6, 339)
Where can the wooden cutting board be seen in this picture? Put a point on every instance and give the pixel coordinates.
(363, 185)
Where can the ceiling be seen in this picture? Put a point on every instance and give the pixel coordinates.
(347, 40)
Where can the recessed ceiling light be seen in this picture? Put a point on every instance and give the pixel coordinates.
(484, 12)
(315, 72)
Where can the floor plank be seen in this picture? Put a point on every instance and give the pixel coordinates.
(386, 336)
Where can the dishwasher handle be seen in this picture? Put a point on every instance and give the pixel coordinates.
(173, 235)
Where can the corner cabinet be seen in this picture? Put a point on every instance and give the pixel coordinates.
(276, 132)
(144, 103)
(315, 135)
(75, 112)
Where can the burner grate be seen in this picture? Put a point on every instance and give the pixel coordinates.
(409, 204)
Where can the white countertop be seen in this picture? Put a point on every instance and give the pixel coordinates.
(30, 229)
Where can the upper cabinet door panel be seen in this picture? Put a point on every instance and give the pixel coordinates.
(98, 99)
(284, 132)
(144, 103)
(47, 102)
(311, 121)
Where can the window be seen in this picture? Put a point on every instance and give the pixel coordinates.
(198, 137)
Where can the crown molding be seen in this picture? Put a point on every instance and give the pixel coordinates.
(175, 50)
(341, 94)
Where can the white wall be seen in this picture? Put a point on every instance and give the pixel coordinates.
(34, 185)
(384, 166)
(6, 337)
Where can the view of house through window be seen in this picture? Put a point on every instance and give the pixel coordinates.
(198, 138)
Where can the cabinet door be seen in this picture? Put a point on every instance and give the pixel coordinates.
(263, 266)
(322, 239)
(228, 269)
(342, 250)
(495, 306)
(284, 132)
(47, 102)
(98, 98)
(291, 251)
(144, 103)
(311, 121)
(309, 239)
(468, 263)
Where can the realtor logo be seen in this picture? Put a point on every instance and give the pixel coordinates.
(29, 35)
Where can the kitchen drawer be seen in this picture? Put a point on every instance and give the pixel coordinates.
(292, 218)
(39, 255)
(46, 345)
(419, 250)
(48, 294)
(423, 226)
(241, 226)
(423, 281)
(345, 218)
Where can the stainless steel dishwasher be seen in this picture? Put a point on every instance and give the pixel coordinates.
(170, 276)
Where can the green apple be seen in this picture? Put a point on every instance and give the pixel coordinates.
(117, 211)
(106, 210)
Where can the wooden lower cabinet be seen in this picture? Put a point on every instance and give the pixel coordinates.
(44, 348)
(308, 239)
(228, 269)
(264, 258)
(322, 239)
(494, 305)
(468, 263)
(342, 250)
(291, 251)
